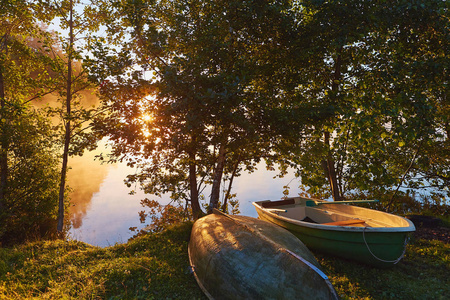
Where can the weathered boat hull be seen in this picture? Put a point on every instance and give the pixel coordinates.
(237, 257)
(368, 241)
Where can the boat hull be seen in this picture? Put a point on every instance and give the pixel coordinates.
(237, 257)
(376, 246)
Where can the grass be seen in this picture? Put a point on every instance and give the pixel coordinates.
(422, 274)
(155, 266)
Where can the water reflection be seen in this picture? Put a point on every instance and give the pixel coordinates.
(85, 177)
(102, 210)
(262, 185)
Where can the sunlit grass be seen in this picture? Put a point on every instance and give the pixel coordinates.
(155, 266)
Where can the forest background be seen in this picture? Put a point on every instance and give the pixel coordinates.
(351, 94)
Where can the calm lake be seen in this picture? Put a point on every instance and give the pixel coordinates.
(102, 210)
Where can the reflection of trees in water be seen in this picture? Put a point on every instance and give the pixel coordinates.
(84, 179)
(86, 175)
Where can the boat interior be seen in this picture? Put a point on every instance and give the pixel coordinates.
(332, 214)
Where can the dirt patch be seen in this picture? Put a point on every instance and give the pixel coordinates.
(430, 228)
(438, 233)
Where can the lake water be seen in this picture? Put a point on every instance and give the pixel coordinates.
(102, 210)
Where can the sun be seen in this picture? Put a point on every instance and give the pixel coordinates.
(147, 117)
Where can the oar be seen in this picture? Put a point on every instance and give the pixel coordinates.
(316, 203)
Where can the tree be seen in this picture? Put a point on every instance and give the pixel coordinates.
(33, 64)
(73, 79)
(337, 32)
(17, 61)
(418, 69)
(26, 160)
(392, 103)
(30, 206)
(222, 95)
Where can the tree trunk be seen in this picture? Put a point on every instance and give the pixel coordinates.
(330, 171)
(4, 146)
(218, 172)
(447, 129)
(329, 164)
(227, 195)
(67, 136)
(4, 137)
(62, 184)
(195, 205)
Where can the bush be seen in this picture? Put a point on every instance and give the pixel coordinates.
(31, 196)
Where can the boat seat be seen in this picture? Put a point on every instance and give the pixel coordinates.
(346, 222)
(277, 203)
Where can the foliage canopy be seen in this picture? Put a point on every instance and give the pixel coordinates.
(210, 90)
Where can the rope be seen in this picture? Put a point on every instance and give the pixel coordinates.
(382, 260)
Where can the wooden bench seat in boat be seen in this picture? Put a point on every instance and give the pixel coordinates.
(346, 222)
(278, 203)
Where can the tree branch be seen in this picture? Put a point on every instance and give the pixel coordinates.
(403, 178)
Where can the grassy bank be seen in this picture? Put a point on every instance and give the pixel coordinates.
(155, 266)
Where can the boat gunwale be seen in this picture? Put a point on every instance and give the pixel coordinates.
(404, 229)
(197, 278)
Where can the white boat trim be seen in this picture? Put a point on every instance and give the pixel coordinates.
(277, 215)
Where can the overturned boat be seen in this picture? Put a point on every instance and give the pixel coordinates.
(238, 257)
(361, 234)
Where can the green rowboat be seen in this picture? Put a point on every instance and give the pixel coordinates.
(361, 234)
(238, 257)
